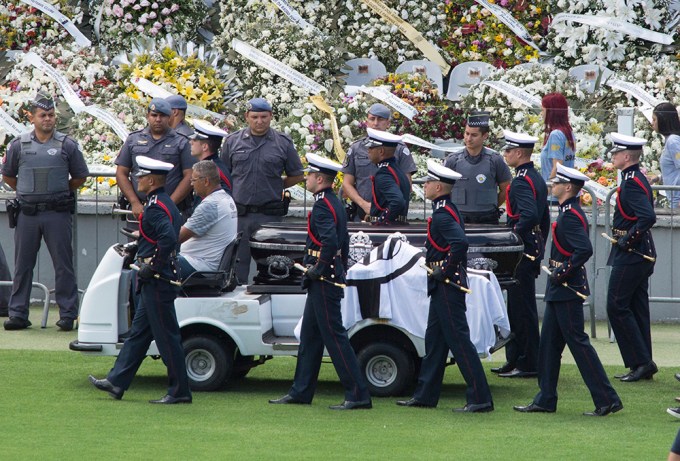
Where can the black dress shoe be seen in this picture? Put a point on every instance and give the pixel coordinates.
(641, 372)
(604, 411)
(170, 400)
(517, 373)
(65, 324)
(677, 376)
(350, 405)
(623, 375)
(532, 408)
(475, 408)
(413, 403)
(17, 323)
(104, 385)
(288, 399)
(506, 367)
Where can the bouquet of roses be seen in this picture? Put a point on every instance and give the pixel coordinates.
(123, 20)
(23, 27)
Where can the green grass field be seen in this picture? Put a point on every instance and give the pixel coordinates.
(48, 410)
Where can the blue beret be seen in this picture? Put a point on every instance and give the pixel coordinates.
(161, 106)
(258, 105)
(177, 102)
(380, 110)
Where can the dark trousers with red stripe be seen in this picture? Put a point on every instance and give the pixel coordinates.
(522, 351)
(628, 311)
(563, 325)
(322, 326)
(155, 319)
(447, 329)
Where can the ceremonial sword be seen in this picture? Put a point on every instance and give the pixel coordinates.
(614, 241)
(303, 269)
(158, 276)
(564, 284)
(447, 281)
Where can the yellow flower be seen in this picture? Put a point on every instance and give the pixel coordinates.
(498, 38)
(112, 182)
(106, 158)
(100, 179)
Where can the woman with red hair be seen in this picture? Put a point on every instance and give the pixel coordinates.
(559, 143)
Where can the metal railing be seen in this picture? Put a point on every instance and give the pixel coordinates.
(667, 251)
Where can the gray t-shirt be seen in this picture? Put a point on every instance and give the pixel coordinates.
(214, 224)
(358, 165)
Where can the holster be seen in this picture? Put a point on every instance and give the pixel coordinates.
(13, 209)
(351, 209)
(123, 204)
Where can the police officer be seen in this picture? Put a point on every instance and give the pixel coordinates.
(155, 317)
(528, 216)
(482, 188)
(206, 141)
(178, 105)
(157, 140)
(447, 326)
(326, 254)
(390, 188)
(257, 156)
(358, 168)
(38, 165)
(632, 259)
(564, 293)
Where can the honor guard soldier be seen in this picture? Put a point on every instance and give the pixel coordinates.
(45, 167)
(391, 188)
(632, 259)
(326, 254)
(482, 188)
(206, 141)
(529, 217)
(178, 105)
(157, 140)
(358, 168)
(447, 326)
(257, 156)
(565, 291)
(155, 318)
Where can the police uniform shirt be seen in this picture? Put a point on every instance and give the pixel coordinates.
(358, 165)
(184, 129)
(171, 147)
(70, 151)
(257, 163)
(634, 217)
(477, 190)
(572, 248)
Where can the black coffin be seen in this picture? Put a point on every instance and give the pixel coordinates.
(277, 246)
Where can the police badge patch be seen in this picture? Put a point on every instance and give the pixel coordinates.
(52, 151)
(480, 178)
